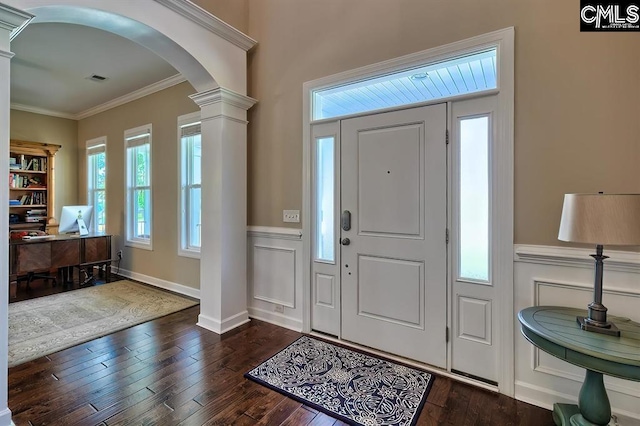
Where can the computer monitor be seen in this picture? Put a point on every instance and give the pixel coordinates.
(75, 219)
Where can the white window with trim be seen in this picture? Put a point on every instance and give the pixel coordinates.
(139, 205)
(190, 215)
(97, 182)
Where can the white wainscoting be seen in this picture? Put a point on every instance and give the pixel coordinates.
(562, 276)
(274, 275)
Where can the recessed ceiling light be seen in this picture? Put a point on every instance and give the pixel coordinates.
(97, 78)
(419, 76)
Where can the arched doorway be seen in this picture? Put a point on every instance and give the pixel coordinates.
(212, 56)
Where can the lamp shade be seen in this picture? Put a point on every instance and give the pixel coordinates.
(605, 219)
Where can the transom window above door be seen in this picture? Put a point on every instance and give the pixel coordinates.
(472, 73)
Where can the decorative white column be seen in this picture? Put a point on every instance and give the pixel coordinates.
(223, 254)
(11, 22)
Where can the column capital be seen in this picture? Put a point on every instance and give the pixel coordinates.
(225, 96)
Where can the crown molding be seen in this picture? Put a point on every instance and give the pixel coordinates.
(14, 20)
(208, 21)
(42, 111)
(140, 93)
(226, 96)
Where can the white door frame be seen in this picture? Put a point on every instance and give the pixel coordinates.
(502, 171)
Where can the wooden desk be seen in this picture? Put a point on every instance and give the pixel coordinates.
(555, 330)
(59, 252)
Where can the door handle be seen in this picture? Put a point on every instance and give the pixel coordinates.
(345, 241)
(346, 220)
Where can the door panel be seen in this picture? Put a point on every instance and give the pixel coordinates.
(378, 186)
(393, 278)
(374, 293)
(325, 282)
(475, 316)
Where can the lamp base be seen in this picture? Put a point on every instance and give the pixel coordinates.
(609, 329)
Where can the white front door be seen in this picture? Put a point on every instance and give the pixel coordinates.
(394, 256)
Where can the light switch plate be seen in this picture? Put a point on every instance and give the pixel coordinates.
(291, 216)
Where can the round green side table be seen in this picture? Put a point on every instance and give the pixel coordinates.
(554, 329)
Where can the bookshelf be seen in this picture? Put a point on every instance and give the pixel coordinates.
(31, 189)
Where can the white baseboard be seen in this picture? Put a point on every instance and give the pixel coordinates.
(539, 396)
(276, 318)
(157, 282)
(221, 327)
(5, 418)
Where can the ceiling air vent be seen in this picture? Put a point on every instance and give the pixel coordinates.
(97, 78)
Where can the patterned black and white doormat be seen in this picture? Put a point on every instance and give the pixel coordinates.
(356, 388)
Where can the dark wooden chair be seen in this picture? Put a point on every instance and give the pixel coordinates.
(45, 274)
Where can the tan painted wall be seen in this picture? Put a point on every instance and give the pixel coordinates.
(161, 109)
(233, 12)
(576, 111)
(60, 131)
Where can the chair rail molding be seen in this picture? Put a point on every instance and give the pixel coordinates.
(623, 261)
(274, 232)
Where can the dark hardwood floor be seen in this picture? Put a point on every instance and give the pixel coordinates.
(170, 371)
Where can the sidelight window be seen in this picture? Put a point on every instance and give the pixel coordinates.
(324, 198)
(474, 198)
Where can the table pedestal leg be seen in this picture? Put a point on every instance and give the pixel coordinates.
(593, 401)
(562, 413)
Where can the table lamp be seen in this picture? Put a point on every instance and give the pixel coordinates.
(600, 219)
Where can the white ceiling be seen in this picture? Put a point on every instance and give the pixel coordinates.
(52, 63)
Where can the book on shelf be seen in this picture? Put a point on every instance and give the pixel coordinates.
(36, 164)
(32, 219)
(14, 202)
(23, 181)
(35, 198)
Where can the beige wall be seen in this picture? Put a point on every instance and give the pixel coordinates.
(576, 125)
(233, 12)
(60, 131)
(161, 110)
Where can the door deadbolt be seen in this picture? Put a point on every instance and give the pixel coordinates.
(346, 220)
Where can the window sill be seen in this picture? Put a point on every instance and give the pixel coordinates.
(139, 245)
(189, 253)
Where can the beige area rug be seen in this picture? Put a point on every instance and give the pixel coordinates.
(42, 326)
